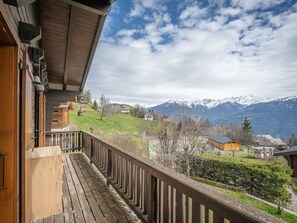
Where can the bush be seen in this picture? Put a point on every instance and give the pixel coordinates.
(267, 180)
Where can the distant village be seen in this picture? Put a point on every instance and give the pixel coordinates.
(264, 147)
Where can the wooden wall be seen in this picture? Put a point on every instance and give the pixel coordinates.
(54, 98)
(9, 134)
(60, 118)
(230, 146)
(25, 14)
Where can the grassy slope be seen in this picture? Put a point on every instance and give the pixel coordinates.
(258, 204)
(111, 123)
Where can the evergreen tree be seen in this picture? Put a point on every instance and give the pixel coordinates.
(247, 134)
(95, 105)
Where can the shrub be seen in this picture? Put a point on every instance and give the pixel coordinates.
(267, 180)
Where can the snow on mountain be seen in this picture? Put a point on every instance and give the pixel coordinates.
(211, 103)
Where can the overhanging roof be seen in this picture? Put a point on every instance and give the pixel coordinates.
(70, 34)
(289, 151)
(219, 139)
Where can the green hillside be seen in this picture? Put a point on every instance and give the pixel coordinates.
(122, 123)
(123, 130)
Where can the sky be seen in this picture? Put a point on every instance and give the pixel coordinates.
(152, 51)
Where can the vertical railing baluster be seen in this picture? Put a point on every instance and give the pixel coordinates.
(109, 166)
(91, 151)
(165, 209)
(151, 198)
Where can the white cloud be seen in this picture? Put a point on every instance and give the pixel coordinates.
(256, 4)
(206, 57)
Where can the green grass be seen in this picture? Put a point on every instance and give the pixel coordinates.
(111, 123)
(239, 196)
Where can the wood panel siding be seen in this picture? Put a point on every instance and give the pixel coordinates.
(24, 14)
(54, 99)
(229, 146)
(27, 137)
(9, 147)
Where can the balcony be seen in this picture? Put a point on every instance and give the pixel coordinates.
(152, 192)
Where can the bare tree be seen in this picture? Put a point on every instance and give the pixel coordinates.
(103, 104)
(176, 148)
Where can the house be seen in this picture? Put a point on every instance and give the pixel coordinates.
(149, 117)
(36, 77)
(290, 155)
(223, 143)
(127, 112)
(264, 152)
(60, 120)
(269, 141)
(167, 121)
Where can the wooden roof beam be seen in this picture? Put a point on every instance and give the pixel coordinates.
(100, 7)
(69, 44)
(93, 50)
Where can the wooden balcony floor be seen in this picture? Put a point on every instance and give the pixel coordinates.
(86, 197)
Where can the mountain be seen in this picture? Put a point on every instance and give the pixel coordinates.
(275, 117)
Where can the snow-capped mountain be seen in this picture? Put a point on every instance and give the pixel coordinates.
(210, 103)
(277, 117)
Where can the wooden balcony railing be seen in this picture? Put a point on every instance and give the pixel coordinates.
(67, 140)
(158, 194)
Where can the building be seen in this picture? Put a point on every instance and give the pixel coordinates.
(37, 76)
(61, 118)
(126, 112)
(149, 117)
(269, 141)
(290, 155)
(265, 152)
(223, 143)
(167, 121)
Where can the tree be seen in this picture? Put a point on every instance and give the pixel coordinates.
(95, 105)
(292, 141)
(86, 96)
(180, 144)
(103, 104)
(137, 111)
(247, 134)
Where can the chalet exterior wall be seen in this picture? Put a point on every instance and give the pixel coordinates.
(60, 120)
(223, 143)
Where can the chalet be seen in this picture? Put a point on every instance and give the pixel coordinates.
(290, 155)
(269, 141)
(46, 50)
(127, 112)
(223, 143)
(60, 120)
(149, 117)
(167, 121)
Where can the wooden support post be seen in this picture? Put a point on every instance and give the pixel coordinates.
(152, 198)
(109, 166)
(92, 151)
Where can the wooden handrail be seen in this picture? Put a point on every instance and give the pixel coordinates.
(158, 194)
(67, 140)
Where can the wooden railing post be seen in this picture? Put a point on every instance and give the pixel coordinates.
(109, 166)
(152, 199)
(92, 151)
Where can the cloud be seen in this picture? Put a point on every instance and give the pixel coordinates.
(253, 4)
(199, 53)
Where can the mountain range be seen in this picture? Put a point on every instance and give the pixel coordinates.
(276, 117)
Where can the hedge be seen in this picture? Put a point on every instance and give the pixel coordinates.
(267, 180)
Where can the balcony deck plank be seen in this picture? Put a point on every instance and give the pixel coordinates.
(86, 198)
